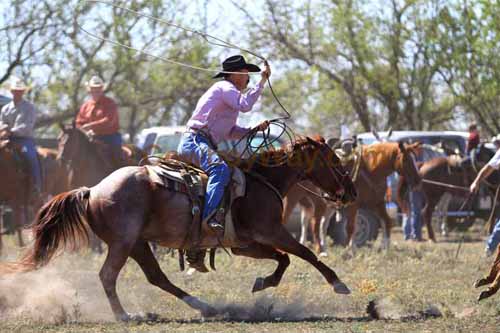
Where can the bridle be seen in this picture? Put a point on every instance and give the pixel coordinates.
(338, 176)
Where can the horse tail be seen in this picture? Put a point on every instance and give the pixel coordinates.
(60, 224)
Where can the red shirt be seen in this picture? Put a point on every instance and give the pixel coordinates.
(473, 141)
(103, 115)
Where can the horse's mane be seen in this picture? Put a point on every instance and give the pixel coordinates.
(264, 159)
(270, 158)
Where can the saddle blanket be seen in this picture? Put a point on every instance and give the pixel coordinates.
(170, 178)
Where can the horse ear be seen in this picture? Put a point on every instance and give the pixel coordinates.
(375, 134)
(401, 146)
(311, 141)
(389, 132)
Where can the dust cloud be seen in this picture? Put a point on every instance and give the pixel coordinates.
(54, 294)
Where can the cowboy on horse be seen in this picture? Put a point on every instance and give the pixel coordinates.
(98, 116)
(214, 120)
(17, 124)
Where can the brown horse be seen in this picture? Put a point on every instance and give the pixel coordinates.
(126, 210)
(316, 213)
(492, 278)
(55, 174)
(452, 175)
(16, 189)
(16, 186)
(378, 161)
(88, 160)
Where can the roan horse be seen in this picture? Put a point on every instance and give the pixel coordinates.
(126, 210)
(378, 161)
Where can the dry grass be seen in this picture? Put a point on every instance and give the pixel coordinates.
(417, 287)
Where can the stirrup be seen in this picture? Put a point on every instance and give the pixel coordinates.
(215, 226)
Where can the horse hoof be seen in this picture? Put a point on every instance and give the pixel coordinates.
(340, 288)
(480, 283)
(323, 254)
(124, 317)
(483, 295)
(258, 285)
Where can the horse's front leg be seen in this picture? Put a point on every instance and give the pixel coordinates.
(386, 225)
(350, 217)
(261, 251)
(279, 238)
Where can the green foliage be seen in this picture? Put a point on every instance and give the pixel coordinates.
(409, 64)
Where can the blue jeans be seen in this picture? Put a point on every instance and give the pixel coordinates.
(197, 149)
(412, 225)
(28, 150)
(494, 239)
(114, 139)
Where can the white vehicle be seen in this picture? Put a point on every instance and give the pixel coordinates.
(162, 139)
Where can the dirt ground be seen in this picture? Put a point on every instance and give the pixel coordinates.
(416, 287)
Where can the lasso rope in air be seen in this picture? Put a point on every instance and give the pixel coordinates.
(267, 142)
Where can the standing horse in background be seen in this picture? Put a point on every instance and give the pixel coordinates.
(16, 189)
(88, 160)
(316, 213)
(377, 162)
(55, 174)
(451, 174)
(127, 209)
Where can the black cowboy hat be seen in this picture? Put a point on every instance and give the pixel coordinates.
(235, 63)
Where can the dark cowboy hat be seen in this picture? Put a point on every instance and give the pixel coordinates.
(235, 63)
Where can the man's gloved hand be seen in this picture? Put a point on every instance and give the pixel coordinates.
(263, 126)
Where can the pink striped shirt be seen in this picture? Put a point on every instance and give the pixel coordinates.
(217, 110)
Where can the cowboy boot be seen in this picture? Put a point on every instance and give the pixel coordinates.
(217, 222)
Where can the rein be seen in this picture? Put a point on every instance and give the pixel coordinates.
(319, 195)
(264, 181)
(453, 187)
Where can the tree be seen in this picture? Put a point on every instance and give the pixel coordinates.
(468, 43)
(148, 90)
(379, 57)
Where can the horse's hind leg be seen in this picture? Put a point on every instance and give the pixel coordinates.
(386, 225)
(261, 251)
(143, 255)
(492, 290)
(118, 253)
(427, 216)
(495, 268)
(280, 239)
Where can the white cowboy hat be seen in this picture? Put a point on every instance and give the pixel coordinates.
(17, 84)
(95, 82)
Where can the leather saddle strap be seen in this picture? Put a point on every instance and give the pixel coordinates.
(193, 235)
